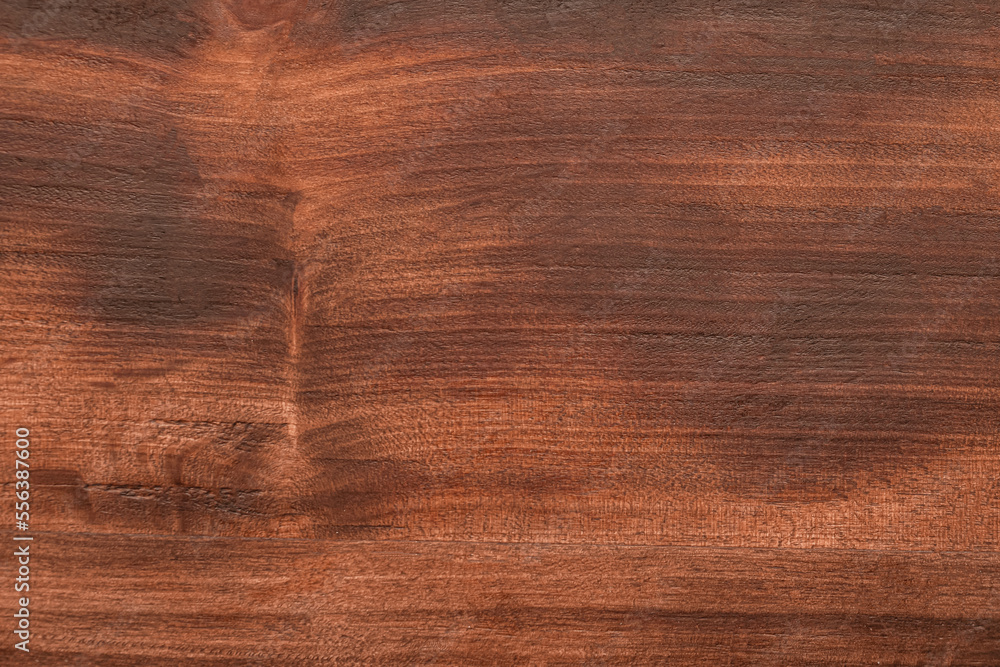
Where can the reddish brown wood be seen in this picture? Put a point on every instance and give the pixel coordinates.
(225, 600)
(504, 332)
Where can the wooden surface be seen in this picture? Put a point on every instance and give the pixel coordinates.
(503, 332)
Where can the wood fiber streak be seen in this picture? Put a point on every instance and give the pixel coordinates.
(504, 332)
(389, 602)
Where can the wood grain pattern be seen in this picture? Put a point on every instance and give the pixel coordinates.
(505, 332)
(394, 602)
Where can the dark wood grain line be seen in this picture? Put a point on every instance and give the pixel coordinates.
(447, 603)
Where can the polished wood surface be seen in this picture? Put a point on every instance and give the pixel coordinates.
(504, 332)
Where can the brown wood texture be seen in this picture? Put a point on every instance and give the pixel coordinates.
(503, 332)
